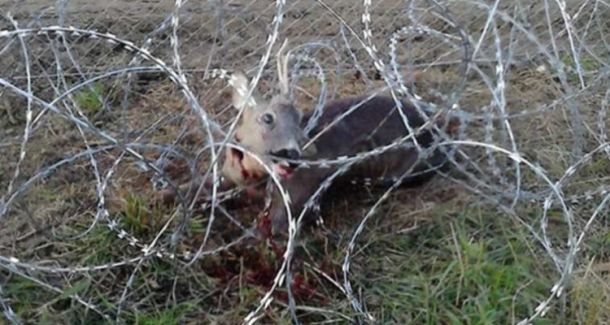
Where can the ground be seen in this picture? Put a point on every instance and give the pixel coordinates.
(457, 250)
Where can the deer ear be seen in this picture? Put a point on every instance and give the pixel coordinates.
(239, 82)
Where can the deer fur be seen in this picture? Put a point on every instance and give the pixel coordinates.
(375, 123)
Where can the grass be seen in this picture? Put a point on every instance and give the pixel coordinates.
(90, 99)
(170, 316)
(487, 278)
(590, 299)
(587, 63)
(461, 262)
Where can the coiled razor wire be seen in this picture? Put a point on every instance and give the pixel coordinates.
(489, 177)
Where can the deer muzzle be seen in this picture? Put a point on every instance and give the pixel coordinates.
(282, 167)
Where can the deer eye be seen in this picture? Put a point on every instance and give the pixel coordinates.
(267, 118)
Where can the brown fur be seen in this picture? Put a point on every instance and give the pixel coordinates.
(375, 123)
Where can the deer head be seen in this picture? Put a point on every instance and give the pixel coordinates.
(269, 129)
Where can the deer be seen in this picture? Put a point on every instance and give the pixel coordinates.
(274, 131)
(269, 129)
(377, 122)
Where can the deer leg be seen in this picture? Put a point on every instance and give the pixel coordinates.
(302, 184)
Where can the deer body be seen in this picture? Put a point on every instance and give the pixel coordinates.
(377, 122)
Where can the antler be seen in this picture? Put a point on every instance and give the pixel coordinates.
(282, 69)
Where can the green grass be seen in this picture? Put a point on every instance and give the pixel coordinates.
(29, 294)
(587, 63)
(34, 302)
(168, 316)
(465, 263)
(465, 269)
(90, 99)
(140, 217)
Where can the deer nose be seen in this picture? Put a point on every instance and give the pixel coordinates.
(287, 153)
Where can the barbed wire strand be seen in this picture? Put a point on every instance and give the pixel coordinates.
(490, 181)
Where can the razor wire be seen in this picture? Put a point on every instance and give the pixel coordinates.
(489, 44)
